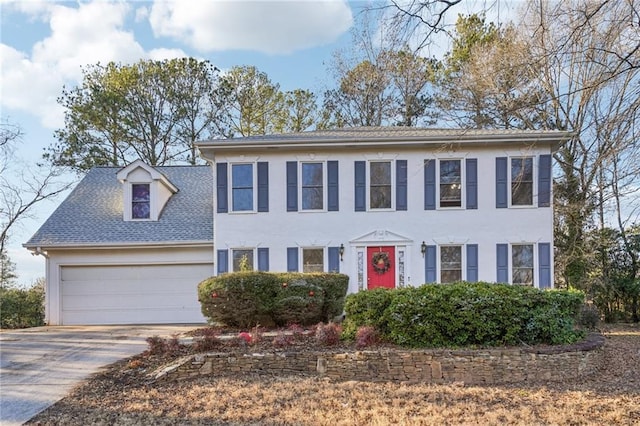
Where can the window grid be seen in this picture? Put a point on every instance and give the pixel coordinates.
(450, 183)
(522, 181)
(522, 264)
(312, 260)
(140, 201)
(312, 186)
(450, 264)
(380, 185)
(242, 260)
(242, 187)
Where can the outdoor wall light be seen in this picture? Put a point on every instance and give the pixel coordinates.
(423, 248)
(341, 251)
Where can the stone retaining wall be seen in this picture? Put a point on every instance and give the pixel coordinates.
(484, 366)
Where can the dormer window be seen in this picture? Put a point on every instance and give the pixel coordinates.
(145, 191)
(140, 201)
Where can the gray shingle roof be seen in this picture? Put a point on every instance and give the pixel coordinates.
(345, 137)
(92, 214)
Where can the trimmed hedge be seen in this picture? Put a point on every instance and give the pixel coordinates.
(244, 299)
(467, 314)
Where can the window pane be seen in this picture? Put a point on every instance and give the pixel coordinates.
(311, 198)
(450, 276)
(311, 174)
(522, 264)
(381, 197)
(242, 260)
(312, 260)
(522, 256)
(381, 173)
(312, 186)
(450, 264)
(243, 199)
(140, 210)
(242, 187)
(140, 192)
(522, 181)
(450, 171)
(242, 175)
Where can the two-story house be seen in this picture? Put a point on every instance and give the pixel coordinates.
(390, 207)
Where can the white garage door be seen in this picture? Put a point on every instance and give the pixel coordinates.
(133, 294)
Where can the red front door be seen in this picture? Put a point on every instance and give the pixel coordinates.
(381, 267)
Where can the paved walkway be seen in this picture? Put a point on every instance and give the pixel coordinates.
(39, 366)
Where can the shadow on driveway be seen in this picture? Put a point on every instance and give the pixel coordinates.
(39, 366)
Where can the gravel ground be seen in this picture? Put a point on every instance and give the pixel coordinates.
(122, 395)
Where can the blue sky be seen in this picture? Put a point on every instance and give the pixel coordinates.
(44, 43)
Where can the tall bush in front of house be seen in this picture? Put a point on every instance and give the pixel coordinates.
(22, 308)
(244, 299)
(468, 314)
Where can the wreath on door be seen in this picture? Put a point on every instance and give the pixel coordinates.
(380, 262)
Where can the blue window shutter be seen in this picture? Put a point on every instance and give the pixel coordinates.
(292, 186)
(544, 181)
(263, 259)
(430, 184)
(263, 187)
(430, 268)
(472, 262)
(360, 172)
(223, 261)
(401, 184)
(544, 264)
(334, 259)
(332, 186)
(502, 261)
(472, 183)
(502, 186)
(222, 193)
(292, 259)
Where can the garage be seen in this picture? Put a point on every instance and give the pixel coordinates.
(131, 294)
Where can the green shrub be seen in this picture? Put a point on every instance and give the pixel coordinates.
(244, 299)
(465, 314)
(22, 308)
(366, 308)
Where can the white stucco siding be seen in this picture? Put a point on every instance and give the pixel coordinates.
(485, 226)
(126, 286)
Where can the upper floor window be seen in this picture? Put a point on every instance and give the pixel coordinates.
(242, 260)
(522, 181)
(380, 185)
(450, 264)
(522, 264)
(312, 186)
(450, 183)
(312, 260)
(242, 187)
(140, 201)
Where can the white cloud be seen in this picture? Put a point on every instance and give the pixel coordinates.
(86, 34)
(274, 27)
(162, 53)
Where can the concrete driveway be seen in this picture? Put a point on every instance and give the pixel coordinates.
(39, 366)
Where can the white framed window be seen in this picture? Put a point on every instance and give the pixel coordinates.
(140, 201)
(312, 260)
(380, 185)
(522, 264)
(450, 183)
(312, 188)
(450, 264)
(242, 260)
(521, 173)
(242, 187)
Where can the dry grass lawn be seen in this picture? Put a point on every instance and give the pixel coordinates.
(117, 396)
